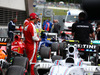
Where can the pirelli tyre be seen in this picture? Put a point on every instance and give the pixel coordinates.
(62, 47)
(16, 70)
(56, 57)
(55, 47)
(45, 52)
(21, 61)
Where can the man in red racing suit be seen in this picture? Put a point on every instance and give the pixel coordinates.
(31, 41)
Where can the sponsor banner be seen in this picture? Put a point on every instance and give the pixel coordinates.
(86, 46)
(3, 41)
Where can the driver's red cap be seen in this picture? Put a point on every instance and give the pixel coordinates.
(33, 16)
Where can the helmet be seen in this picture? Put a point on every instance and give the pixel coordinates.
(38, 57)
(63, 34)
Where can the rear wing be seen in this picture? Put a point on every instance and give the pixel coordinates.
(83, 47)
(90, 48)
(5, 41)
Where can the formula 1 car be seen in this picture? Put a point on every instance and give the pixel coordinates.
(96, 42)
(54, 44)
(11, 60)
(17, 45)
(83, 48)
(73, 64)
(48, 44)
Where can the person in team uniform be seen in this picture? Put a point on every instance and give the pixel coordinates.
(81, 31)
(47, 26)
(31, 41)
(11, 28)
(98, 30)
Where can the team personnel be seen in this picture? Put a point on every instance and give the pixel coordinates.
(38, 27)
(44, 22)
(47, 26)
(56, 26)
(39, 23)
(11, 28)
(31, 41)
(81, 31)
(98, 30)
(50, 25)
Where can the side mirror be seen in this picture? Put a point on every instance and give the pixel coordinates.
(63, 20)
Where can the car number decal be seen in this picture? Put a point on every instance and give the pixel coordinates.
(45, 65)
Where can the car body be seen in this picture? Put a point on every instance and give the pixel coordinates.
(71, 65)
(9, 59)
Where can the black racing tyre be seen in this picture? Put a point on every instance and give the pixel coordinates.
(16, 70)
(21, 61)
(24, 53)
(55, 47)
(62, 49)
(1, 73)
(45, 52)
(96, 73)
(56, 57)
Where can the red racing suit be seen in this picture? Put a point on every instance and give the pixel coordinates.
(26, 22)
(31, 43)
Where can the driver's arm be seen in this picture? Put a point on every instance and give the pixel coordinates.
(92, 32)
(93, 35)
(73, 30)
(98, 29)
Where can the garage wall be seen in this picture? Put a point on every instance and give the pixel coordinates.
(13, 4)
(7, 14)
(19, 9)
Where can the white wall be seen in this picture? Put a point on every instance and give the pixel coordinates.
(13, 4)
